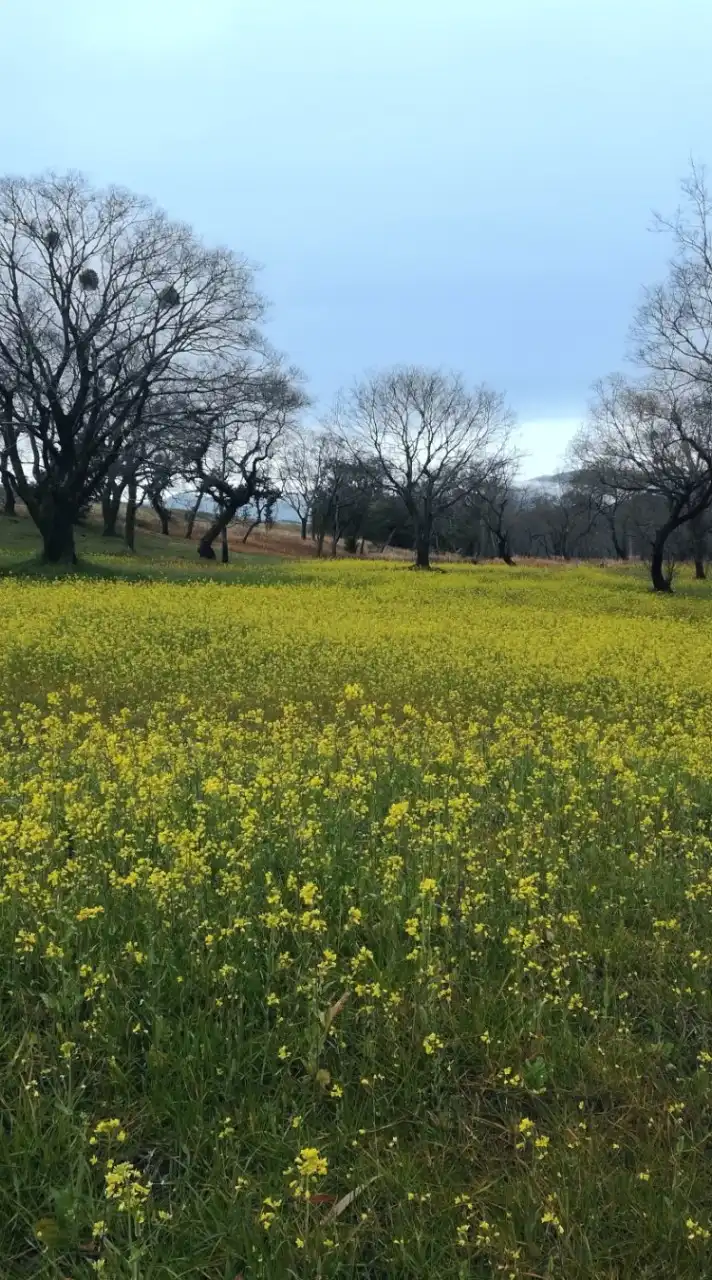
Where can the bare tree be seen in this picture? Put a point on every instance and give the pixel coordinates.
(301, 472)
(242, 419)
(103, 302)
(261, 511)
(111, 495)
(563, 516)
(498, 499)
(655, 443)
(429, 436)
(160, 475)
(328, 501)
(672, 332)
(191, 514)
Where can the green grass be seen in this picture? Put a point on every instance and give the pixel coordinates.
(413, 871)
(172, 558)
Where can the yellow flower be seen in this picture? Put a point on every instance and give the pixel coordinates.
(432, 1043)
(310, 1163)
(309, 893)
(125, 1187)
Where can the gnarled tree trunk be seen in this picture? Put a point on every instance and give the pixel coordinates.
(503, 549)
(8, 490)
(55, 519)
(223, 518)
(110, 508)
(660, 580)
(162, 512)
(190, 520)
(422, 547)
(130, 517)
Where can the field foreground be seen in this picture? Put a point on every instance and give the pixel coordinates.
(356, 923)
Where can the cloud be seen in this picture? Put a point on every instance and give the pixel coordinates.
(544, 442)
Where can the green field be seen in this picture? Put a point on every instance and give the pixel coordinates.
(354, 922)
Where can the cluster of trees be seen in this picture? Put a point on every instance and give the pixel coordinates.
(133, 364)
(346, 501)
(639, 478)
(648, 443)
(130, 355)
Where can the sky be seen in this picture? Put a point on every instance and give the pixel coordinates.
(464, 184)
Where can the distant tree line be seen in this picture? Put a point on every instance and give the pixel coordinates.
(133, 365)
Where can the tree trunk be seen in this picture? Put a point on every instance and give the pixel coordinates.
(422, 548)
(305, 527)
(221, 521)
(56, 524)
(252, 525)
(162, 512)
(699, 546)
(130, 517)
(619, 547)
(503, 549)
(225, 549)
(8, 490)
(659, 580)
(335, 531)
(110, 507)
(190, 521)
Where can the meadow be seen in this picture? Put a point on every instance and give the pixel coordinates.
(355, 923)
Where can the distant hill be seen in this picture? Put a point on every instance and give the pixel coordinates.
(184, 499)
(549, 484)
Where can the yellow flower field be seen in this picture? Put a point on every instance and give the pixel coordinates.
(356, 922)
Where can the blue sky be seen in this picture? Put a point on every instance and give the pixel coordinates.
(465, 183)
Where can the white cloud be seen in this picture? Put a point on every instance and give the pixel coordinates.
(544, 442)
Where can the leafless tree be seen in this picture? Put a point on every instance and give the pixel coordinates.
(151, 460)
(672, 332)
(261, 511)
(301, 472)
(240, 420)
(429, 436)
(191, 514)
(498, 498)
(652, 442)
(328, 504)
(103, 302)
(562, 517)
